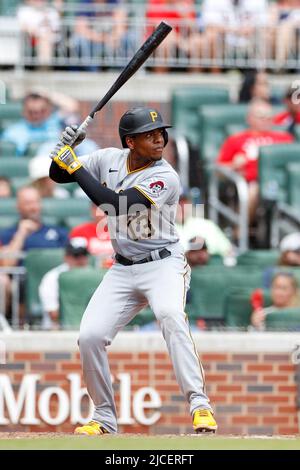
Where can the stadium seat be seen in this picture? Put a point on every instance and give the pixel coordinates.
(12, 167)
(213, 121)
(7, 149)
(273, 161)
(8, 206)
(284, 319)
(210, 285)
(19, 182)
(293, 184)
(9, 113)
(76, 287)
(37, 263)
(185, 103)
(259, 258)
(7, 221)
(78, 207)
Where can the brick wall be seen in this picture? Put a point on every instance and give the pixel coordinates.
(252, 393)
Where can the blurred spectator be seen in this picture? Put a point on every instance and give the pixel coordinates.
(283, 22)
(189, 224)
(185, 36)
(196, 252)
(76, 256)
(232, 24)
(240, 151)
(5, 187)
(255, 85)
(101, 32)
(291, 116)
(29, 232)
(290, 250)
(41, 23)
(289, 256)
(95, 232)
(41, 121)
(284, 294)
(40, 180)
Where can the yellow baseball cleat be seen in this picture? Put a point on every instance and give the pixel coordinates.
(91, 429)
(204, 421)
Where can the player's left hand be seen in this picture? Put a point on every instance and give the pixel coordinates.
(65, 157)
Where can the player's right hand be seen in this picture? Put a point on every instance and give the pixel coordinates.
(72, 136)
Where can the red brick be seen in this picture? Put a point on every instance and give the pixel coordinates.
(245, 378)
(287, 388)
(245, 420)
(159, 377)
(214, 357)
(121, 356)
(244, 399)
(144, 356)
(229, 388)
(68, 366)
(142, 377)
(275, 378)
(167, 387)
(215, 377)
(164, 367)
(18, 378)
(276, 357)
(274, 399)
(276, 419)
(287, 409)
(259, 367)
(286, 368)
(27, 356)
(161, 356)
(218, 398)
(54, 377)
(288, 430)
(135, 366)
(180, 420)
(245, 357)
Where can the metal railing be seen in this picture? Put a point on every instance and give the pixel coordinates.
(217, 208)
(189, 48)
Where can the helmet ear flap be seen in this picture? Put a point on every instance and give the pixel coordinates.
(165, 136)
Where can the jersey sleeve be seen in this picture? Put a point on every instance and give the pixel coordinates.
(93, 162)
(160, 190)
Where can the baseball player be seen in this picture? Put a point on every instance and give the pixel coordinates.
(139, 191)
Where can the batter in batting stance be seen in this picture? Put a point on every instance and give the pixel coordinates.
(139, 190)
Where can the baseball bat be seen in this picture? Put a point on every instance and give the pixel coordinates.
(153, 41)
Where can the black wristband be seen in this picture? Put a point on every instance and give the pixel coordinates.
(101, 195)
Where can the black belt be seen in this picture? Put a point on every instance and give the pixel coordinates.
(164, 253)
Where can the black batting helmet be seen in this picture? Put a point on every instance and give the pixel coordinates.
(139, 120)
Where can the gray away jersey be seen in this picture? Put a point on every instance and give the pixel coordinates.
(144, 230)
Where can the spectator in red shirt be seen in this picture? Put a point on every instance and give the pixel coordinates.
(181, 15)
(291, 116)
(97, 236)
(240, 151)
